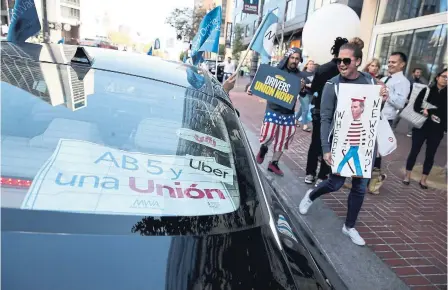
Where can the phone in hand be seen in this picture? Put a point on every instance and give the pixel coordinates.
(435, 119)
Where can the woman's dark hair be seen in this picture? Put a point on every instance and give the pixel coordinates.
(438, 75)
(357, 52)
(338, 42)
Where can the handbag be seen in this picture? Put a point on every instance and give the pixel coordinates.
(385, 139)
(416, 119)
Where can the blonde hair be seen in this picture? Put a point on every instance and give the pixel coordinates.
(358, 42)
(307, 62)
(373, 60)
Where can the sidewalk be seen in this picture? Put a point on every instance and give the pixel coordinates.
(405, 226)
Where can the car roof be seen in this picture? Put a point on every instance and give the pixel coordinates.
(140, 65)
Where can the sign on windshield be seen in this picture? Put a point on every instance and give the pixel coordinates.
(86, 177)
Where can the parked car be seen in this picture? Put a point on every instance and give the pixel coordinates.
(211, 64)
(123, 171)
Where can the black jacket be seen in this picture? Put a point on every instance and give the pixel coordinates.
(324, 73)
(437, 98)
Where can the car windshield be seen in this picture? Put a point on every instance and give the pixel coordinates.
(99, 143)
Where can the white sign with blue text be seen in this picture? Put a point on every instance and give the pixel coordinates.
(355, 124)
(86, 177)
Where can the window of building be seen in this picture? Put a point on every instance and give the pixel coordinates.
(246, 32)
(426, 48)
(72, 2)
(396, 10)
(255, 26)
(290, 9)
(70, 12)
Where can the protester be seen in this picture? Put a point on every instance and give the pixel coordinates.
(373, 68)
(349, 60)
(325, 72)
(358, 42)
(229, 68)
(399, 88)
(279, 123)
(306, 96)
(432, 130)
(416, 78)
(229, 83)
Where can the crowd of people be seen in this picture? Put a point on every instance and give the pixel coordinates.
(319, 90)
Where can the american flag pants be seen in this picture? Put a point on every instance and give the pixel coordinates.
(282, 135)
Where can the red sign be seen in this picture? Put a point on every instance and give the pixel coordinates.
(250, 6)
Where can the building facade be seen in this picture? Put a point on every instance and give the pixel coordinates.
(416, 28)
(64, 19)
(292, 15)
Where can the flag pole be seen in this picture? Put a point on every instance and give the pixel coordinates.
(250, 44)
(216, 65)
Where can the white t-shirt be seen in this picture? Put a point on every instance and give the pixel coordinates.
(229, 68)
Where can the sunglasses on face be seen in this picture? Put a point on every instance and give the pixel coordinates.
(346, 61)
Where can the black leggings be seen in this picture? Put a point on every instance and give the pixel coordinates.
(419, 136)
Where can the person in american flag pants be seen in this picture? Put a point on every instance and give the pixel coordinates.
(279, 123)
(356, 137)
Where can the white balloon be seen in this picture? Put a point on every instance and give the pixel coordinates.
(324, 26)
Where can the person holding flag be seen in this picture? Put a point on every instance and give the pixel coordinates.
(279, 122)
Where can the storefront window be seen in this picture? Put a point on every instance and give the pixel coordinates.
(396, 10)
(426, 48)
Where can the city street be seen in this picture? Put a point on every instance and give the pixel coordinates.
(405, 226)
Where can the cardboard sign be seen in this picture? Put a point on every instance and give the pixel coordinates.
(276, 86)
(89, 178)
(355, 129)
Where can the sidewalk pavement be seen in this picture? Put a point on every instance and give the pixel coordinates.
(405, 226)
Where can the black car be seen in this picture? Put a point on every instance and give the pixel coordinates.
(123, 171)
(211, 64)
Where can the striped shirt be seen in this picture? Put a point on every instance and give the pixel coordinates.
(356, 135)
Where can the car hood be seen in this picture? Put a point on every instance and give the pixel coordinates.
(247, 259)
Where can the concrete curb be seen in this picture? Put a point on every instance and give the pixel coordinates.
(358, 267)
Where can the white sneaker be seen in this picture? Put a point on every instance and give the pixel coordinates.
(309, 179)
(305, 203)
(318, 181)
(354, 236)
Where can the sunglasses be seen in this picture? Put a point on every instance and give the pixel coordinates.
(346, 61)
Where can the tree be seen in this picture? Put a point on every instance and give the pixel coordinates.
(186, 21)
(222, 50)
(181, 56)
(238, 46)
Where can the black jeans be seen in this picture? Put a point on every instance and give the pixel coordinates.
(315, 151)
(355, 198)
(433, 137)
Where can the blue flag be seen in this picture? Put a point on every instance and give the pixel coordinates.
(194, 78)
(150, 51)
(61, 41)
(24, 21)
(264, 40)
(207, 38)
